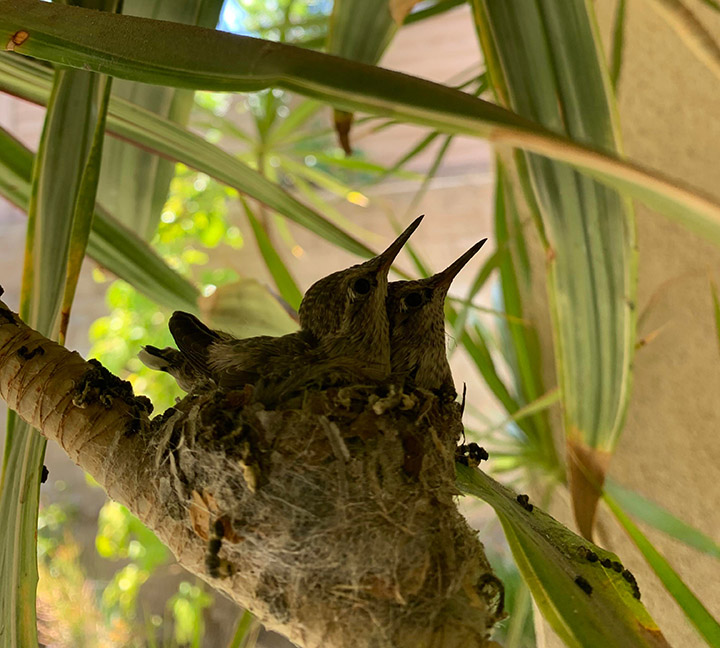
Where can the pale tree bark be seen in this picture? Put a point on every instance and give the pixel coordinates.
(332, 517)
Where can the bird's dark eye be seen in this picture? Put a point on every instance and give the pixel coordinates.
(413, 300)
(361, 286)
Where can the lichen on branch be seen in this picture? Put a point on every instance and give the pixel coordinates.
(331, 516)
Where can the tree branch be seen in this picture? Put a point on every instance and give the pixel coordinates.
(331, 518)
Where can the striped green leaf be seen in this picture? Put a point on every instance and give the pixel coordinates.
(150, 51)
(133, 182)
(62, 196)
(559, 79)
(111, 244)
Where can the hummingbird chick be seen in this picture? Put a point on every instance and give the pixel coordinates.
(324, 307)
(417, 327)
(348, 335)
(346, 313)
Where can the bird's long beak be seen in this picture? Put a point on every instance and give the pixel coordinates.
(385, 259)
(445, 278)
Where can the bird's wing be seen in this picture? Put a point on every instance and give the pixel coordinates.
(193, 338)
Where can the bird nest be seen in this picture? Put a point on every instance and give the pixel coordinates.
(335, 513)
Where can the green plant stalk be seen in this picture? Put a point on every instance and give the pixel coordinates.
(191, 57)
(71, 128)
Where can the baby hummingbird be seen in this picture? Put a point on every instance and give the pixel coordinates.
(417, 327)
(344, 317)
(325, 308)
(346, 312)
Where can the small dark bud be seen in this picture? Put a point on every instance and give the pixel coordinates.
(477, 452)
(606, 562)
(583, 585)
(44, 474)
(592, 556)
(627, 575)
(617, 566)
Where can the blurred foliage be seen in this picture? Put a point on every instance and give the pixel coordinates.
(194, 220)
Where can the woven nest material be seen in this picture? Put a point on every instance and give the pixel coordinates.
(334, 514)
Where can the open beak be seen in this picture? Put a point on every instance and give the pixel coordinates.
(385, 259)
(445, 278)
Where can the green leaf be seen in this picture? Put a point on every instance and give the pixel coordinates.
(111, 244)
(246, 632)
(559, 79)
(618, 43)
(84, 208)
(659, 518)
(149, 51)
(521, 344)
(283, 279)
(695, 611)
(550, 558)
(166, 138)
(433, 10)
(134, 183)
(246, 308)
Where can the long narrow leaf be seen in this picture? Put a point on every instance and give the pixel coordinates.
(150, 51)
(661, 519)
(134, 183)
(618, 43)
(111, 244)
(695, 611)
(84, 207)
(559, 78)
(585, 603)
(71, 127)
(174, 142)
(283, 279)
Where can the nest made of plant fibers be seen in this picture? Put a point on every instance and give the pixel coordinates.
(334, 514)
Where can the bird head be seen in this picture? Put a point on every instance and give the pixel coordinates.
(349, 297)
(417, 307)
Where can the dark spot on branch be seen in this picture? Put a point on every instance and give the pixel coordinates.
(26, 354)
(606, 562)
(524, 501)
(44, 474)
